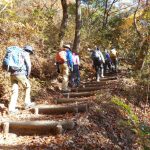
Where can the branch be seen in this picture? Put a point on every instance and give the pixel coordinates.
(122, 9)
(4, 8)
(106, 12)
(135, 23)
(114, 1)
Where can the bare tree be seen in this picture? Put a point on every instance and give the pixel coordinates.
(76, 44)
(107, 11)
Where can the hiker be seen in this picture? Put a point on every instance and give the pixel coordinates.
(107, 64)
(19, 75)
(64, 60)
(114, 59)
(75, 75)
(98, 61)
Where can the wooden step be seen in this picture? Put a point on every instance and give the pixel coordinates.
(86, 89)
(101, 80)
(81, 94)
(37, 127)
(69, 100)
(60, 109)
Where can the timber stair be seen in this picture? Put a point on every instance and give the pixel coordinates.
(74, 102)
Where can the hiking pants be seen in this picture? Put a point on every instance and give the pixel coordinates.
(99, 69)
(75, 76)
(107, 66)
(15, 79)
(64, 70)
(115, 64)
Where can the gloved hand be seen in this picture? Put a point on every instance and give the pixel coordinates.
(71, 69)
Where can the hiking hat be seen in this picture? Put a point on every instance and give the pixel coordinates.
(28, 49)
(67, 46)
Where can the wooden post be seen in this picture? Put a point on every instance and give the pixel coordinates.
(36, 111)
(76, 108)
(5, 128)
(68, 96)
(59, 129)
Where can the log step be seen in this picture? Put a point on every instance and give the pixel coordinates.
(60, 109)
(37, 127)
(93, 85)
(81, 94)
(101, 83)
(85, 89)
(101, 80)
(69, 100)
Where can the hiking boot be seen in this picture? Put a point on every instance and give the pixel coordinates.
(15, 111)
(30, 105)
(98, 79)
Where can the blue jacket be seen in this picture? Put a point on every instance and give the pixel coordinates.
(108, 57)
(69, 58)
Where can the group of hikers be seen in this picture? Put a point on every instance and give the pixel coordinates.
(104, 62)
(17, 62)
(68, 63)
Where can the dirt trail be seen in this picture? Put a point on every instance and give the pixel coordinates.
(84, 118)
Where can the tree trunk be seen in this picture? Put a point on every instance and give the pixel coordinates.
(144, 40)
(142, 54)
(64, 22)
(76, 44)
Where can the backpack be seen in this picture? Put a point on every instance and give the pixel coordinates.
(14, 59)
(95, 56)
(61, 57)
(113, 54)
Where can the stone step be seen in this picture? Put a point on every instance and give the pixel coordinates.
(37, 127)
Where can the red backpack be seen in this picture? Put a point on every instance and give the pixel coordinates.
(61, 56)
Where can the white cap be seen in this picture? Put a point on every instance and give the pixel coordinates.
(67, 46)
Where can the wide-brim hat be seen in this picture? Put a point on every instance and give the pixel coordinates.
(28, 48)
(67, 46)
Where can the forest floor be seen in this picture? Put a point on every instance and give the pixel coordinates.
(105, 126)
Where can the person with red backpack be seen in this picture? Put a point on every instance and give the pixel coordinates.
(65, 63)
(17, 62)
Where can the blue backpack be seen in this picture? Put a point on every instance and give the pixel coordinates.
(14, 59)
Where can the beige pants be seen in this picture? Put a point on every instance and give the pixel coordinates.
(64, 70)
(15, 89)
